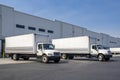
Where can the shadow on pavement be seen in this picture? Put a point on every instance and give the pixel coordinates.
(95, 60)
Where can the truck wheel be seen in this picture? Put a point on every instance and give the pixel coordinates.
(15, 57)
(70, 57)
(45, 59)
(11, 56)
(64, 56)
(26, 58)
(39, 58)
(107, 59)
(101, 57)
(56, 61)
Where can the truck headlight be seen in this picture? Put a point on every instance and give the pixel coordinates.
(49, 54)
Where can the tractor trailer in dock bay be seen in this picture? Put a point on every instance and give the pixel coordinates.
(84, 46)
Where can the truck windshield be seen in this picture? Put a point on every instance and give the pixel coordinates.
(102, 47)
(48, 46)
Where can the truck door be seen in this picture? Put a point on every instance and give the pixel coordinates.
(39, 50)
(94, 50)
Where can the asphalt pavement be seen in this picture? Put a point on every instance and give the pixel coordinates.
(77, 69)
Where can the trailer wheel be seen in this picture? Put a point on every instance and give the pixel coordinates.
(15, 57)
(101, 57)
(64, 56)
(45, 59)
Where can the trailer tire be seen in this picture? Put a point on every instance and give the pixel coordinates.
(15, 57)
(45, 59)
(101, 57)
(64, 56)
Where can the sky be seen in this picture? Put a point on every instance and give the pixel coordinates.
(101, 16)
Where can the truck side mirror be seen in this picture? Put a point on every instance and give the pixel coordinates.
(54, 46)
(40, 47)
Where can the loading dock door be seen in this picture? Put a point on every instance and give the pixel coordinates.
(2, 48)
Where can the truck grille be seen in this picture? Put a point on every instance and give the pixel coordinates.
(56, 54)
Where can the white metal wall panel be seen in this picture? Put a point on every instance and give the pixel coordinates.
(41, 38)
(78, 31)
(7, 21)
(91, 33)
(67, 30)
(37, 22)
(0, 21)
(0, 26)
(0, 46)
(118, 42)
(104, 39)
(113, 42)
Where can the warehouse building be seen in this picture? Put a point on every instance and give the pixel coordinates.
(13, 22)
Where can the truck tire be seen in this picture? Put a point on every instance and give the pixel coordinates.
(70, 57)
(64, 56)
(39, 58)
(45, 59)
(11, 56)
(56, 61)
(26, 58)
(15, 57)
(101, 57)
(107, 59)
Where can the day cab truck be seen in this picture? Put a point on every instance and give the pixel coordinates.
(83, 46)
(31, 45)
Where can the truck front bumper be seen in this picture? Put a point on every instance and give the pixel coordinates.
(107, 56)
(54, 57)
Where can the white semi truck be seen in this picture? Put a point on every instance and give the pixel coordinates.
(81, 46)
(31, 45)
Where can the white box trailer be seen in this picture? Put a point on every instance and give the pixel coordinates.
(31, 45)
(81, 46)
(115, 50)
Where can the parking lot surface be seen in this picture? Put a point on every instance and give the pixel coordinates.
(77, 69)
